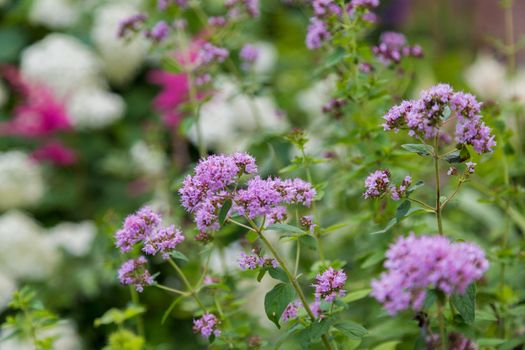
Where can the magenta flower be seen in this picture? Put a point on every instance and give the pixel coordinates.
(330, 285)
(174, 93)
(133, 272)
(415, 264)
(207, 325)
(56, 153)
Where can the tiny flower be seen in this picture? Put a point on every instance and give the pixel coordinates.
(136, 228)
(133, 272)
(159, 32)
(210, 53)
(206, 325)
(317, 34)
(376, 184)
(163, 241)
(131, 24)
(308, 223)
(330, 285)
(291, 311)
(398, 192)
(248, 262)
(452, 171)
(393, 47)
(471, 167)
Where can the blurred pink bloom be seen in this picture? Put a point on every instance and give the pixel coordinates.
(56, 153)
(174, 92)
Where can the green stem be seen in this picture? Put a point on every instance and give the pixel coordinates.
(438, 185)
(140, 321)
(442, 326)
(423, 204)
(173, 290)
(187, 284)
(291, 277)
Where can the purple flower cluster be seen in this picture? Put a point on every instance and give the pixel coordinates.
(330, 285)
(415, 264)
(268, 197)
(204, 193)
(439, 104)
(393, 46)
(377, 183)
(207, 325)
(134, 272)
(364, 9)
(291, 311)
(131, 24)
(248, 56)
(159, 32)
(398, 192)
(317, 34)
(210, 53)
(146, 226)
(251, 262)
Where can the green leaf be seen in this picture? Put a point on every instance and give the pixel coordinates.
(419, 148)
(466, 303)
(356, 295)
(351, 329)
(261, 274)
(388, 226)
(277, 300)
(179, 256)
(286, 228)
(415, 186)
(315, 331)
(389, 345)
(279, 274)
(308, 241)
(458, 156)
(402, 210)
(223, 213)
(118, 316)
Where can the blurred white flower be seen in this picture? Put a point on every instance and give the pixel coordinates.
(75, 238)
(74, 73)
(4, 94)
(266, 57)
(64, 333)
(149, 160)
(21, 181)
(62, 63)
(312, 99)
(26, 252)
(93, 108)
(55, 14)
(515, 88)
(486, 76)
(230, 119)
(7, 288)
(113, 49)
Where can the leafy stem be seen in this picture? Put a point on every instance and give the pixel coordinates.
(191, 290)
(438, 185)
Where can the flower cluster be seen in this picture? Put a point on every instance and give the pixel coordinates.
(417, 263)
(248, 55)
(330, 285)
(146, 226)
(133, 272)
(204, 193)
(397, 192)
(207, 325)
(291, 311)
(393, 46)
(317, 34)
(425, 116)
(377, 183)
(363, 8)
(251, 262)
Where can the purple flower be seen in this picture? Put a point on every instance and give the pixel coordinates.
(376, 184)
(217, 21)
(335, 107)
(325, 8)
(210, 53)
(133, 272)
(315, 307)
(251, 262)
(136, 228)
(307, 222)
(206, 325)
(248, 55)
(415, 264)
(471, 167)
(163, 241)
(365, 3)
(317, 34)
(425, 116)
(452, 171)
(131, 24)
(159, 32)
(397, 192)
(291, 311)
(330, 285)
(393, 46)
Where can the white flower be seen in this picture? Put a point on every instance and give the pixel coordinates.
(7, 288)
(486, 76)
(75, 238)
(4, 94)
(21, 182)
(122, 58)
(26, 252)
(312, 99)
(230, 119)
(62, 63)
(92, 108)
(56, 14)
(266, 57)
(147, 159)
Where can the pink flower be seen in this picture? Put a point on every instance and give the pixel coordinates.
(173, 94)
(56, 153)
